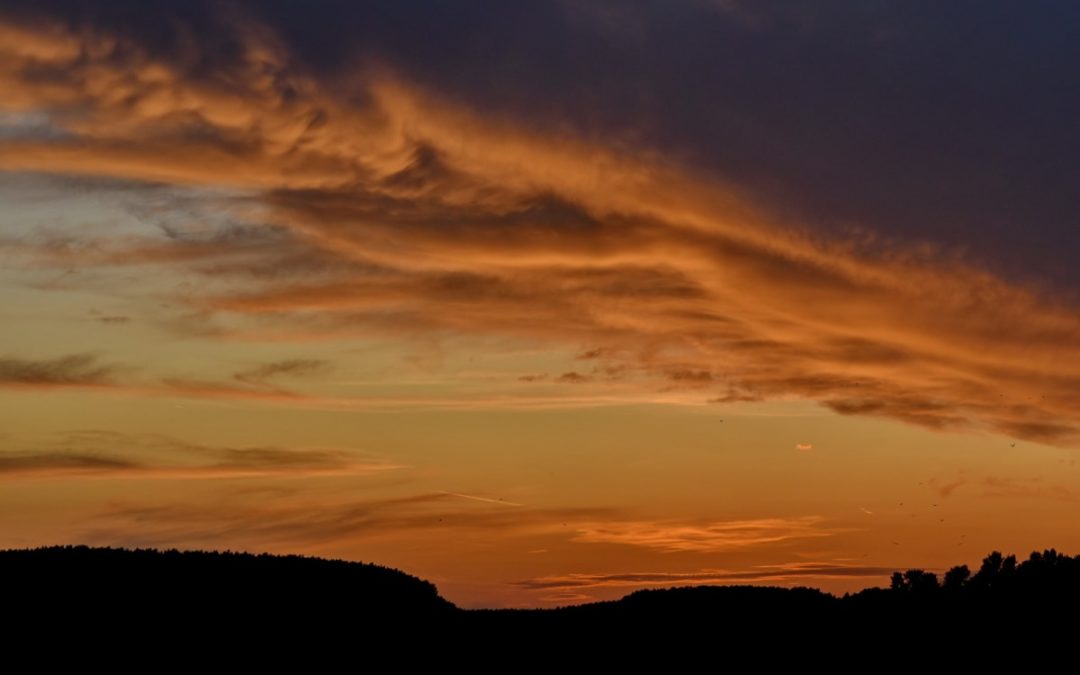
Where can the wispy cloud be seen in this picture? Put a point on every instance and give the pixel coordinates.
(709, 537)
(572, 378)
(945, 488)
(1001, 486)
(98, 454)
(435, 219)
(58, 463)
(298, 524)
(75, 370)
(774, 574)
(89, 371)
(285, 368)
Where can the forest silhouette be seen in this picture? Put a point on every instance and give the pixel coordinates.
(230, 599)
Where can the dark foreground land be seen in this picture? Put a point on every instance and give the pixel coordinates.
(240, 601)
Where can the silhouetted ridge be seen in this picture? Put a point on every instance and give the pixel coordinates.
(150, 591)
(223, 599)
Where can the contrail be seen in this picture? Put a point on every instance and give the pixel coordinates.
(503, 502)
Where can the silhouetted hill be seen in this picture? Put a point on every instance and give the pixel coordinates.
(226, 600)
(162, 595)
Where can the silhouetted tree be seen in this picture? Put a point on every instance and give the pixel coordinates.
(956, 577)
(923, 582)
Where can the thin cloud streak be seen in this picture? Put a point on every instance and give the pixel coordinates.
(285, 368)
(772, 574)
(712, 537)
(992, 486)
(107, 455)
(254, 386)
(75, 370)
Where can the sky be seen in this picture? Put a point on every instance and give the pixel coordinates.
(543, 301)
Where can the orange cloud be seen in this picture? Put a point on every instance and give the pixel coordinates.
(772, 574)
(702, 537)
(443, 221)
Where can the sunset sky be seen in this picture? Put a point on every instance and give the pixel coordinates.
(543, 301)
